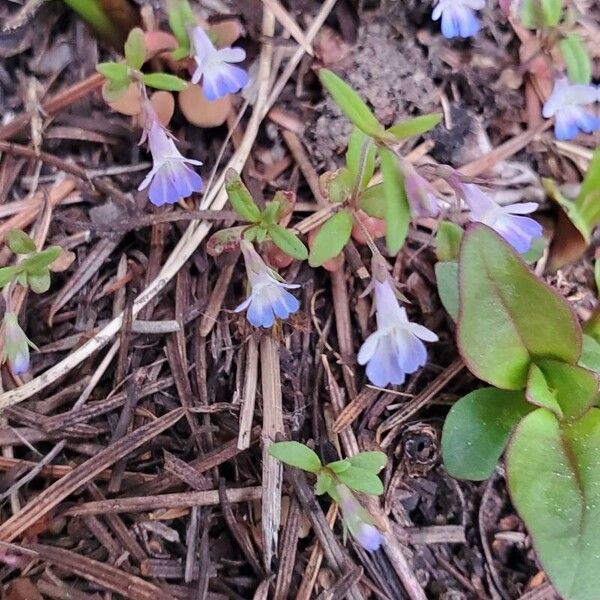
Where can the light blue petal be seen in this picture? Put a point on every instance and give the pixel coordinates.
(459, 21)
(222, 80)
(260, 314)
(518, 231)
(20, 364)
(586, 121)
(565, 127)
(285, 304)
(186, 180)
(162, 190)
(369, 537)
(410, 352)
(383, 367)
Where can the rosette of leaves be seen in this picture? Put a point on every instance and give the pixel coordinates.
(519, 336)
(121, 75)
(350, 186)
(358, 472)
(33, 271)
(261, 225)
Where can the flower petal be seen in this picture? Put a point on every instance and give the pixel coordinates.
(231, 55)
(368, 536)
(203, 47)
(410, 352)
(163, 190)
(459, 21)
(383, 368)
(422, 332)
(260, 312)
(520, 208)
(518, 231)
(222, 79)
(368, 348)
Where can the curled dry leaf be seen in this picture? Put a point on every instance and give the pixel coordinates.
(128, 103)
(200, 111)
(375, 228)
(226, 32)
(63, 262)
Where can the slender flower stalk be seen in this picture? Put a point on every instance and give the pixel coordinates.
(219, 76)
(268, 296)
(458, 17)
(395, 348)
(567, 104)
(357, 519)
(170, 177)
(15, 347)
(519, 231)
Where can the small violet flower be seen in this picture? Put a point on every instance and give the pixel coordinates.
(507, 221)
(268, 297)
(219, 77)
(567, 105)
(458, 17)
(170, 177)
(422, 196)
(15, 344)
(395, 348)
(357, 519)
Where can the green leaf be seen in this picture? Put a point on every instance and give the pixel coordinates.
(331, 239)
(361, 480)
(358, 140)
(240, 198)
(551, 10)
(135, 49)
(39, 261)
(116, 73)
(324, 483)
(336, 186)
(181, 17)
(372, 201)
(19, 242)
(538, 247)
(477, 429)
(579, 64)
(287, 241)
(351, 103)
(397, 210)
(7, 274)
(575, 388)
(508, 318)
(415, 126)
(590, 355)
(296, 455)
(164, 81)
(39, 282)
(540, 393)
(587, 203)
(447, 241)
(339, 466)
(373, 460)
(446, 276)
(553, 475)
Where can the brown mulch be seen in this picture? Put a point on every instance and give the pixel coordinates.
(138, 472)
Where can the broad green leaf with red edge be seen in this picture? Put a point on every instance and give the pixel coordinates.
(287, 241)
(351, 103)
(553, 475)
(590, 354)
(446, 278)
(477, 429)
(414, 126)
(508, 317)
(539, 393)
(574, 388)
(397, 210)
(331, 239)
(372, 201)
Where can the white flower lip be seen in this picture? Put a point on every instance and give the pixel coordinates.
(268, 298)
(395, 349)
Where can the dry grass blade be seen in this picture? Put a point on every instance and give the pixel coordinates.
(58, 491)
(178, 500)
(288, 23)
(272, 471)
(106, 576)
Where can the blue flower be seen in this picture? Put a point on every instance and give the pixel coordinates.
(458, 17)
(15, 344)
(507, 221)
(170, 177)
(219, 77)
(395, 348)
(357, 519)
(567, 105)
(268, 297)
